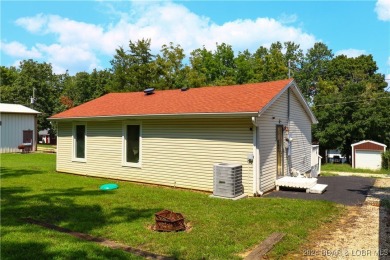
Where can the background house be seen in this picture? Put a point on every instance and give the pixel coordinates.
(174, 137)
(45, 137)
(18, 125)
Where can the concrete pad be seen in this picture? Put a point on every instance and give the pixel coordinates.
(346, 190)
(242, 196)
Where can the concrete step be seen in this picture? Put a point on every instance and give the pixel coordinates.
(318, 188)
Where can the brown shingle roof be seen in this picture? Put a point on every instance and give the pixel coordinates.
(213, 100)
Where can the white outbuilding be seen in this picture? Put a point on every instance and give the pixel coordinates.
(18, 126)
(367, 154)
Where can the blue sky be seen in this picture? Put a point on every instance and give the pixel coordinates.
(82, 35)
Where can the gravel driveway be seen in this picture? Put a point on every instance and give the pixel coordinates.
(362, 233)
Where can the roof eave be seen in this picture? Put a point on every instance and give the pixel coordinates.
(157, 116)
(301, 99)
(16, 112)
(368, 141)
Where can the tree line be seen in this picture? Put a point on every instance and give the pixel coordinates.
(347, 95)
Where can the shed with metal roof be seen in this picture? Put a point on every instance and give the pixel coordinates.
(18, 125)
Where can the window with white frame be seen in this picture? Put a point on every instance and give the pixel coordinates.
(79, 142)
(132, 144)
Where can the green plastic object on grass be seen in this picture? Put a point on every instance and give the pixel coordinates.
(109, 186)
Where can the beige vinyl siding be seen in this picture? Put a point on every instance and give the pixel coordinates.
(177, 153)
(11, 130)
(267, 141)
(300, 128)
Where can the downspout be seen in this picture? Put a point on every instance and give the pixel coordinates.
(288, 125)
(35, 134)
(257, 179)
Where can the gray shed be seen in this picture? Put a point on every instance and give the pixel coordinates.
(18, 125)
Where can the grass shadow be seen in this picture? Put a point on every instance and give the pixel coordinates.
(59, 206)
(15, 173)
(40, 250)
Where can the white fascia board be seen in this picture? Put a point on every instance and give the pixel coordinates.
(158, 116)
(368, 141)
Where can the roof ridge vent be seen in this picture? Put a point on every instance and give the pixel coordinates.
(184, 88)
(149, 91)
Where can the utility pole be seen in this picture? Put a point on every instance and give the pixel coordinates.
(289, 75)
(32, 99)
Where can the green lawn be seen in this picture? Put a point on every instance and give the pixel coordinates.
(344, 167)
(222, 229)
(42, 147)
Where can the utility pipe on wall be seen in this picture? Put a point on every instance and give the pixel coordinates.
(256, 165)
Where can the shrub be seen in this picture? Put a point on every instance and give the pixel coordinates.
(386, 160)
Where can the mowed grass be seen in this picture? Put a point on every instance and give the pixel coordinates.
(345, 167)
(221, 229)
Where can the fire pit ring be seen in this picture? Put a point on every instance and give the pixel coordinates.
(169, 221)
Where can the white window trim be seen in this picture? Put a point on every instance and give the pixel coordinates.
(74, 158)
(124, 143)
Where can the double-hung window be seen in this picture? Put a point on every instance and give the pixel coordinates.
(132, 142)
(79, 142)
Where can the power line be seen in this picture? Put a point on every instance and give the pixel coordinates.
(346, 102)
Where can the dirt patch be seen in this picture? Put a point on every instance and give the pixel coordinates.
(362, 233)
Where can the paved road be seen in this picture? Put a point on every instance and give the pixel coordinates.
(347, 190)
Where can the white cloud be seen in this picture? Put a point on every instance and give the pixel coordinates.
(81, 44)
(17, 49)
(351, 53)
(74, 58)
(382, 9)
(32, 24)
(288, 18)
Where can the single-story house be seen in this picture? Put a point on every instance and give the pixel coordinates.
(367, 154)
(174, 137)
(18, 125)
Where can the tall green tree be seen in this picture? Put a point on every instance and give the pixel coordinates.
(293, 58)
(171, 71)
(244, 64)
(225, 73)
(7, 79)
(203, 68)
(135, 69)
(351, 104)
(313, 68)
(275, 67)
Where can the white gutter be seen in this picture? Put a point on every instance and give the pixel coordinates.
(156, 116)
(256, 163)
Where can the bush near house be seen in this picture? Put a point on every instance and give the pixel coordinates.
(386, 160)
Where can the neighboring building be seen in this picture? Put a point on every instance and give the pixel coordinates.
(367, 155)
(174, 137)
(46, 138)
(18, 126)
